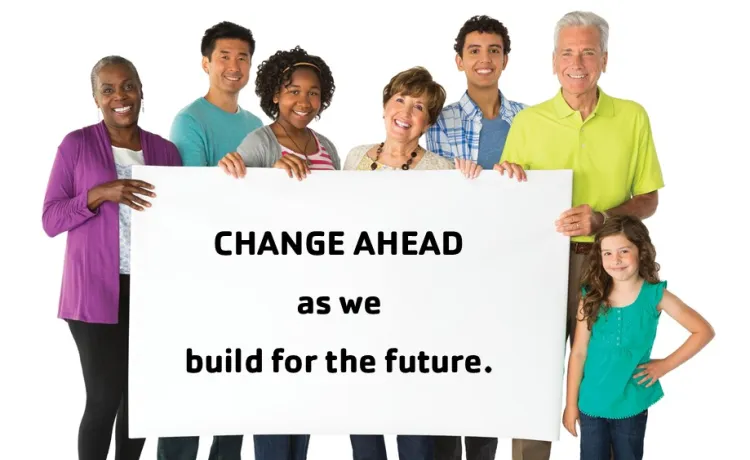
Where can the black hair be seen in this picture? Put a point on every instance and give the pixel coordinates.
(112, 60)
(482, 24)
(225, 29)
(277, 70)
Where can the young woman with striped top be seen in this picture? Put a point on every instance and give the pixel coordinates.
(294, 88)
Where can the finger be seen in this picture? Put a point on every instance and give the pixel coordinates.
(294, 166)
(640, 374)
(136, 199)
(138, 190)
(139, 183)
(519, 172)
(653, 380)
(229, 167)
(476, 170)
(127, 202)
(238, 165)
(301, 165)
(643, 380)
(500, 167)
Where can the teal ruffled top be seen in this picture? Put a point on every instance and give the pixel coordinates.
(621, 340)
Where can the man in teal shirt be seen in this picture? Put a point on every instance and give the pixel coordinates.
(214, 125)
(204, 131)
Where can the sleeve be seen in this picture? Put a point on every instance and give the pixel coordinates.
(514, 144)
(186, 134)
(173, 155)
(437, 139)
(353, 157)
(658, 294)
(63, 210)
(648, 173)
(331, 148)
(255, 150)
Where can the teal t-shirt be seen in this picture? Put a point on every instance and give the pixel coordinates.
(204, 133)
(621, 340)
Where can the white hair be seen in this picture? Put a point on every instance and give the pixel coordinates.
(584, 19)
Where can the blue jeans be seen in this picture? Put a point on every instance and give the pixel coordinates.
(372, 447)
(622, 438)
(281, 447)
(186, 448)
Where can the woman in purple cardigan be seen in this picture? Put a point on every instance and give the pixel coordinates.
(90, 196)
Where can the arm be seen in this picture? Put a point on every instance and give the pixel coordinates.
(641, 206)
(437, 139)
(186, 136)
(648, 178)
(701, 333)
(64, 210)
(575, 371)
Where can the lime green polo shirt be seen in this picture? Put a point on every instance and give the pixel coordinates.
(612, 153)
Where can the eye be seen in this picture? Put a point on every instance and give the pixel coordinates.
(399, 99)
(419, 107)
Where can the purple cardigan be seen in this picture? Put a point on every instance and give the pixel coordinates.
(91, 273)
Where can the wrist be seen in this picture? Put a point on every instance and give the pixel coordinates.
(95, 198)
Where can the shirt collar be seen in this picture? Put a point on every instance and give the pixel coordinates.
(604, 106)
(472, 110)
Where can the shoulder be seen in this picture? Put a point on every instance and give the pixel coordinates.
(261, 142)
(262, 135)
(356, 154)
(191, 111)
(432, 160)
(655, 294)
(251, 120)
(71, 143)
(513, 108)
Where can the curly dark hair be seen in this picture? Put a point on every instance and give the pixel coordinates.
(277, 70)
(223, 30)
(596, 280)
(483, 24)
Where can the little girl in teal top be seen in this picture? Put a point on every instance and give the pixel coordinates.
(612, 380)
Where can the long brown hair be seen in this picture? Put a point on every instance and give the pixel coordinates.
(596, 280)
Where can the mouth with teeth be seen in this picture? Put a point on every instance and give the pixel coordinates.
(233, 78)
(401, 124)
(484, 71)
(123, 110)
(301, 114)
(576, 76)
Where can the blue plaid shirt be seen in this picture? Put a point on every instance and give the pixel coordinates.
(455, 134)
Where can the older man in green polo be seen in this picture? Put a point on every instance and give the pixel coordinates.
(606, 141)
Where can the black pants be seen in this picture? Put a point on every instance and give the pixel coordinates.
(103, 349)
(449, 448)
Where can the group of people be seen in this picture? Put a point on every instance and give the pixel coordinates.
(615, 294)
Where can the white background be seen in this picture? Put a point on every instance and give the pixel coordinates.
(685, 63)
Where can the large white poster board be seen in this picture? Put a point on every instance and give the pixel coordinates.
(489, 286)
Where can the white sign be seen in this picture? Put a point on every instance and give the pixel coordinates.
(352, 302)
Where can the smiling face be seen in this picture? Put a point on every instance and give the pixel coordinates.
(229, 66)
(118, 95)
(299, 101)
(578, 60)
(619, 257)
(406, 117)
(483, 59)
